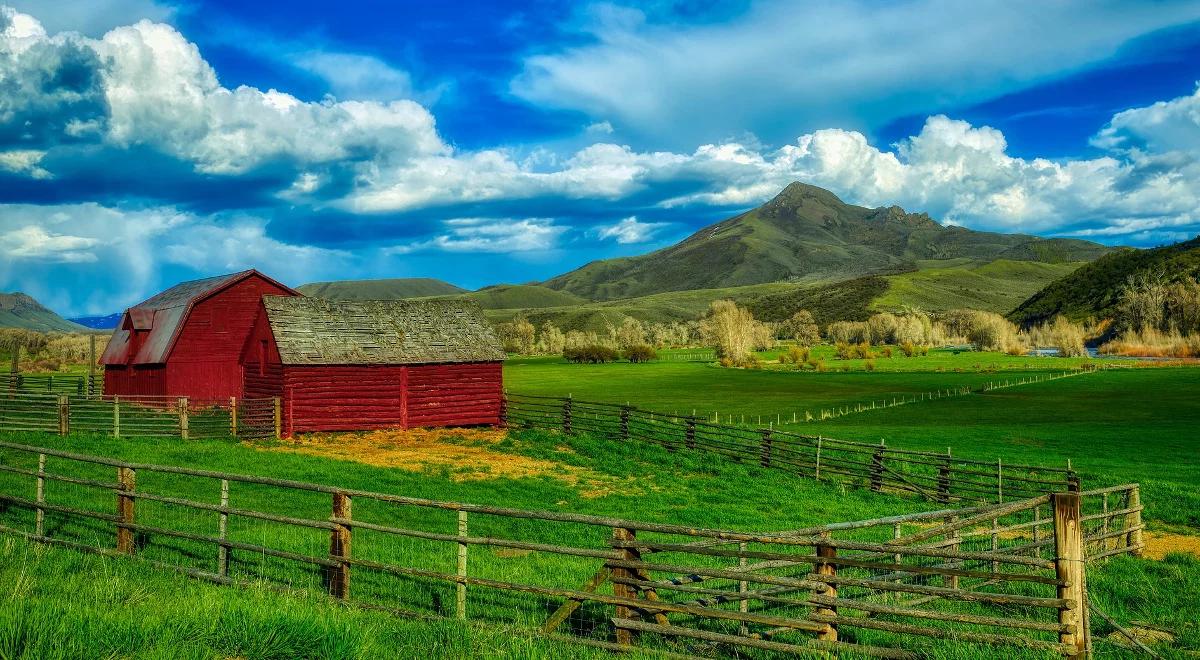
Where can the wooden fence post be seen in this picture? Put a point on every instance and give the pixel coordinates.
(1133, 521)
(116, 416)
(504, 409)
(1069, 567)
(817, 463)
(877, 469)
(460, 601)
(829, 569)
(624, 422)
(943, 481)
(278, 418)
(620, 537)
(183, 417)
(40, 525)
(765, 449)
(64, 415)
(127, 480)
(1000, 481)
(233, 430)
(337, 578)
(222, 523)
(690, 434)
(566, 416)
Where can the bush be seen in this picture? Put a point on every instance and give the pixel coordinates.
(886, 351)
(591, 354)
(863, 350)
(869, 365)
(846, 332)
(641, 353)
(817, 364)
(844, 351)
(795, 355)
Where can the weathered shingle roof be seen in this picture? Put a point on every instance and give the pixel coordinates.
(162, 316)
(317, 331)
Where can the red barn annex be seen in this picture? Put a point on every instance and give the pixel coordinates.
(356, 365)
(187, 340)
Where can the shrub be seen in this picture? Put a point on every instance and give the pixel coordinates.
(869, 365)
(641, 353)
(848, 332)
(908, 348)
(863, 350)
(819, 365)
(844, 351)
(591, 354)
(886, 351)
(795, 355)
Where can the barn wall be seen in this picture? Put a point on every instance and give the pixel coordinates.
(135, 381)
(454, 394)
(262, 372)
(204, 362)
(364, 397)
(342, 398)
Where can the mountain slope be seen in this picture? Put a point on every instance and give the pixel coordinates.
(393, 289)
(1093, 289)
(807, 234)
(18, 310)
(521, 296)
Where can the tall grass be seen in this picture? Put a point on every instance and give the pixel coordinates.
(1151, 342)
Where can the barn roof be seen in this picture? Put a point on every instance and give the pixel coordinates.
(163, 316)
(317, 331)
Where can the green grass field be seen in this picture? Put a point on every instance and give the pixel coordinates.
(1116, 425)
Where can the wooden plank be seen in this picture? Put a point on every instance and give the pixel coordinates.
(566, 609)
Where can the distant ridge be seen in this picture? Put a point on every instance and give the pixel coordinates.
(18, 310)
(807, 234)
(98, 322)
(390, 289)
(1094, 289)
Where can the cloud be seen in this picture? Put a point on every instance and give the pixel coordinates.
(823, 61)
(34, 243)
(93, 17)
(1164, 126)
(630, 230)
(489, 235)
(360, 77)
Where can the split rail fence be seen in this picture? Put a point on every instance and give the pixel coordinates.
(140, 416)
(1006, 577)
(935, 476)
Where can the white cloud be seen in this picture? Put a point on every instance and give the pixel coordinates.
(630, 230)
(826, 61)
(1164, 126)
(360, 77)
(24, 161)
(489, 235)
(34, 243)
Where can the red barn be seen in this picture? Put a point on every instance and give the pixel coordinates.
(358, 365)
(187, 340)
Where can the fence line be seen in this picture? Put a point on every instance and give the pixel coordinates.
(934, 476)
(145, 416)
(998, 575)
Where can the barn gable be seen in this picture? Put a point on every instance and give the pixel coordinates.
(312, 331)
(148, 331)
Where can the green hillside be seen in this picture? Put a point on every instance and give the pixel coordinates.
(393, 289)
(1092, 290)
(521, 296)
(996, 286)
(18, 310)
(807, 234)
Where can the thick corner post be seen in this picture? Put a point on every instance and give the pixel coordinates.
(1069, 568)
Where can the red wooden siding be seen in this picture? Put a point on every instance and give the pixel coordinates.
(262, 372)
(454, 394)
(364, 397)
(135, 380)
(204, 361)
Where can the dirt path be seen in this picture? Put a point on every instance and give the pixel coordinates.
(466, 454)
(1159, 544)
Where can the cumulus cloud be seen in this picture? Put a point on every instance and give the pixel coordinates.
(630, 230)
(824, 61)
(34, 243)
(489, 235)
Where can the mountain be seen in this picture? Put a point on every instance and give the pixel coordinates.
(394, 289)
(807, 234)
(98, 322)
(1093, 289)
(521, 296)
(18, 310)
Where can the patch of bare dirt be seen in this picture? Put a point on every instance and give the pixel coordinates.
(465, 453)
(1160, 544)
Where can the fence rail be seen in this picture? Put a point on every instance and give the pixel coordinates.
(1006, 575)
(935, 476)
(142, 416)
(53, 383)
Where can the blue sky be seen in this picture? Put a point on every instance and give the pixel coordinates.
(145, 142)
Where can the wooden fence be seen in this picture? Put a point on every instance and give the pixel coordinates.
(140, 416)
(53, 383)
(1007, 575)
(935, 476)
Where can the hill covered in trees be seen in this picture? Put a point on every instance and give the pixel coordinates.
(1093, 290)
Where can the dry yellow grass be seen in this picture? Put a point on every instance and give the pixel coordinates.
(466, 453)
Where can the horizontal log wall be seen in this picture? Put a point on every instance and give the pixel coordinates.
(918, 579)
